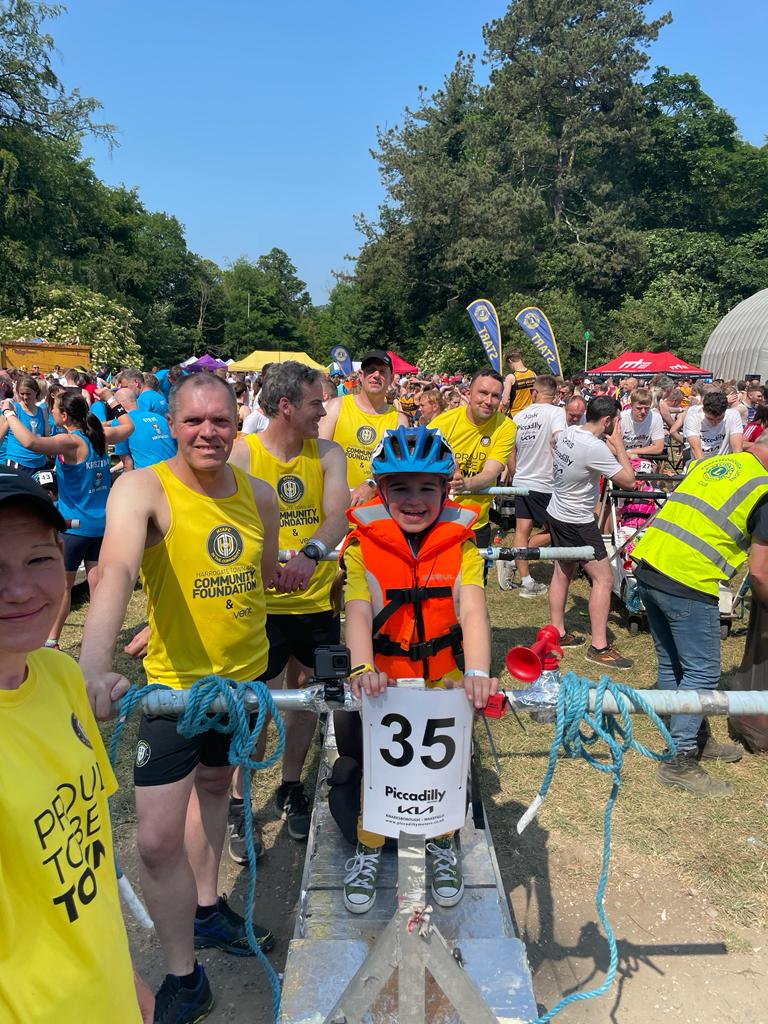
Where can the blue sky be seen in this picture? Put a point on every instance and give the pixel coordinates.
(251, 122)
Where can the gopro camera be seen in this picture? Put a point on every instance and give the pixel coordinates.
(332, 665)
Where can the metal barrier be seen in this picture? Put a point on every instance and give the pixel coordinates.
(492, 554)
(534, 698)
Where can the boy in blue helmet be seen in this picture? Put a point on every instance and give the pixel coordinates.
(415, 546)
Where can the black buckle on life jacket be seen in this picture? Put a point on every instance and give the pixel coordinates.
(398, 598)
(426, 648)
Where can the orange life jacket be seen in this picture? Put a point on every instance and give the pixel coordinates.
(415, 598)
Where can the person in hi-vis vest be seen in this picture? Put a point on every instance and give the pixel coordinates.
(709, 525)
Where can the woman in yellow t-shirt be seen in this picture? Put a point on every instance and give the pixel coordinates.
(64, 954)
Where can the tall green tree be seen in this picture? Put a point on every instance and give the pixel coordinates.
(31, 94)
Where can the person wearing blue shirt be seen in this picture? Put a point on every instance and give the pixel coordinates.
(152, 398)
(151, 440)
(84, 478)
(101, 411)
(35, 421)
(148, 400)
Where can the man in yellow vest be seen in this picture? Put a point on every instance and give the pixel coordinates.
(310, 478)
(713, 520)
(482, 439)
(358, 422)
(204, 535)
(518, 384)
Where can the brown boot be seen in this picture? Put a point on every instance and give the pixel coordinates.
(714, 751)
(685, 772)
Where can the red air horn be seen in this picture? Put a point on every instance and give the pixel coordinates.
(527, 663)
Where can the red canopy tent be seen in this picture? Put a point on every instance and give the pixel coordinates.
(399, 365)
(647, 364)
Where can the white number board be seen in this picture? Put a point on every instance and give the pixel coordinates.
(417, 745)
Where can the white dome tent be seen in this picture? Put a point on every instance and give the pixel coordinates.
(739, 343)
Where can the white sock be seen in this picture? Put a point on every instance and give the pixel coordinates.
(528, 581)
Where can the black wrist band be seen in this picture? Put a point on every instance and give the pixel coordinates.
(113, 411)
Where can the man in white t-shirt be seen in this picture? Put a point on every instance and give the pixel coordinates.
(642, 428)
(712, 428)
(537, 428)
(582, 455)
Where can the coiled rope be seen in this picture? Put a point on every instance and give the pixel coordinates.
(577, 730)
(198, 718)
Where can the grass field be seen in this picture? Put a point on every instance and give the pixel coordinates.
(717, 849)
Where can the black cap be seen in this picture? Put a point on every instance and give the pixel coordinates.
(377, 355)
(18, 486)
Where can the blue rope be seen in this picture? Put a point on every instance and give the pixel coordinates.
(616, 732)
(198, 718)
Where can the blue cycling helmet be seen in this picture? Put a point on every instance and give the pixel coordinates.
(413, 450)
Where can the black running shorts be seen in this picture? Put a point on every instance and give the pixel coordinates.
(80, 549)
(533, 506)
(163, 755)
(576, 535)
(297, 636)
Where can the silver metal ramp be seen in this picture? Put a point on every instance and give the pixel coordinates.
(330, 944)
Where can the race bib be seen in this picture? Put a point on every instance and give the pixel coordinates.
(417, 745)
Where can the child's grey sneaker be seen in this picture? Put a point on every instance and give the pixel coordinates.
(447, 878)
(360, 879)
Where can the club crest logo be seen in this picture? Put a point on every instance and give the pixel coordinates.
(80, 732)
(531, 321)
(724, 469)
(366, 435)
(485, 441)
(482, 313)
(225, 545)
(143, 753)
(290, 489)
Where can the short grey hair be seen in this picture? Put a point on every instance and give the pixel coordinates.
(286, 380)
(197, 381)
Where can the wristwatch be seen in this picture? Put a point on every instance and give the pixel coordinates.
(313, 551)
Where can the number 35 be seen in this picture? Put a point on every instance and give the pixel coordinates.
(431, 739)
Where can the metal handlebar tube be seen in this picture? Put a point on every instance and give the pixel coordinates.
(522, 492)
(580, 554)
(616, 492)
(541, 697)
(495, 554)
(311, 698)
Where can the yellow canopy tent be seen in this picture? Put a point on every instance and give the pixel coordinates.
(259, 358)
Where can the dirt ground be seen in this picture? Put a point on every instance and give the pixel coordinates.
(692, 939)
(679, 959)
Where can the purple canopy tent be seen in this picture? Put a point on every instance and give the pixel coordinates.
(206, 362)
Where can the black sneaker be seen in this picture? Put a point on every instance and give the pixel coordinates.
(225, 929)
(177, 1005)
(292, 802)
(571, 640)
(236, 845)
(609, 657)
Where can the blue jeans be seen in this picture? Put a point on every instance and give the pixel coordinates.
(687, 638)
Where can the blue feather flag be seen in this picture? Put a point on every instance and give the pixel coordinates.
(535, 324)
(485, 320)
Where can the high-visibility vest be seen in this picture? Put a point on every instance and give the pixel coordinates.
(414, 597)
(700, 536)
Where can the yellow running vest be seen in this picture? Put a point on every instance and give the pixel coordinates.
(205, 597)
(299, 488)
(522, 394)
(699, 537)
(359, 433)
